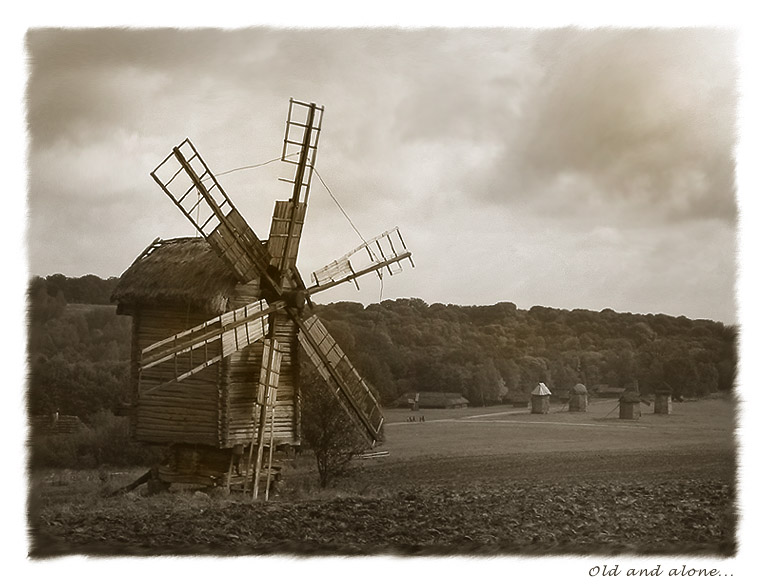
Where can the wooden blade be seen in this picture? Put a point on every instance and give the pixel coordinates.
(199, 347)
(268, 381)
(285, 234)
(387, 251)
(304, 121)
(187, 180)
(342, 378)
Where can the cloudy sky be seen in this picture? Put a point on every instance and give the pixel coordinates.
(560, 167)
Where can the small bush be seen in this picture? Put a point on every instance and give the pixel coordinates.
(327, 431)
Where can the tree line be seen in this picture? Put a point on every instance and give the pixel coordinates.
(79, 348)
(497, 353)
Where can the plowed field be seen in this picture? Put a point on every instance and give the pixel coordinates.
(477, 481)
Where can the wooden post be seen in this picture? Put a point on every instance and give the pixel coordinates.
(252, 442)
(228, 473)
(265, 396)
(259, 452)
(271, 445)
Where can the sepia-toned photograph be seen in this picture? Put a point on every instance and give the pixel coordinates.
(410, 292)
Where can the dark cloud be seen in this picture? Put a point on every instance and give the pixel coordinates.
(86, 82)
(516, 146)
(643, 118)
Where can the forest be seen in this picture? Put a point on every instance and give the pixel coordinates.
(78, 349)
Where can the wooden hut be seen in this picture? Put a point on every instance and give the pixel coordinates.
(541, 399)
(56, 424)
(607, 391)
(630, 406)
(663, 402)
(516, 398)
(578, 398)
(432, 400)
(209, 417)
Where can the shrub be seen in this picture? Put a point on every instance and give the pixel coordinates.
(327, 430)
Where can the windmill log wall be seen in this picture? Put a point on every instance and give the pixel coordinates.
(181, 412)
(240, 376)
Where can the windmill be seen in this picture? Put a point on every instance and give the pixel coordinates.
(226, 383)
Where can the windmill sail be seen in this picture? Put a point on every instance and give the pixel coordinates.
(285, 233)
(386, 251)
(343, 380)
(187, 180)
(193, 350)
(304, 122)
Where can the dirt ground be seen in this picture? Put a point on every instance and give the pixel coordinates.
(475, 482)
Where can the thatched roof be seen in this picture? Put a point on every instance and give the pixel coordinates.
(181, 270)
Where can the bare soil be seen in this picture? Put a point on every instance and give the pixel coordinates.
(587, 485)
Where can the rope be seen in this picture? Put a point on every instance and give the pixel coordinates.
(343, 211)
(380, 300)
(263, 164)
(332, 196)
(615, 408)
(254, 166)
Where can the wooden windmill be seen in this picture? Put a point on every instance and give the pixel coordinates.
(218, 322)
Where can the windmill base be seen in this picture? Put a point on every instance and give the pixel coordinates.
(209, 467)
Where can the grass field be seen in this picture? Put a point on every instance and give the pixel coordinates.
(501, 430)
(493, 480)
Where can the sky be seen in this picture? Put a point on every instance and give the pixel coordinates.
(563, 167)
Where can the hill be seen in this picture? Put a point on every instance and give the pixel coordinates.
(79, 348)
(491, 353)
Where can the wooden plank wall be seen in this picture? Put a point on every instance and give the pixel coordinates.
(241, 371)
(287, 413)
(182, 412)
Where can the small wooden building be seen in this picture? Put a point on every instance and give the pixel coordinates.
(541, 399)
(432, 400)
(578, 398)
(607, 391)
(663, 402)
(172, 286)
(630, 406)
(56, 424)
(516, 398)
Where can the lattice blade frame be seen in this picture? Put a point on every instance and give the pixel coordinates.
(201, 346)
(189, 183)
(304, 123)
(384, 252)
(343, 380)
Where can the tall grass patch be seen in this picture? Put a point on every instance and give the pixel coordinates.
(106, 441)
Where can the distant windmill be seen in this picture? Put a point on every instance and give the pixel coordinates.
(217, 323)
